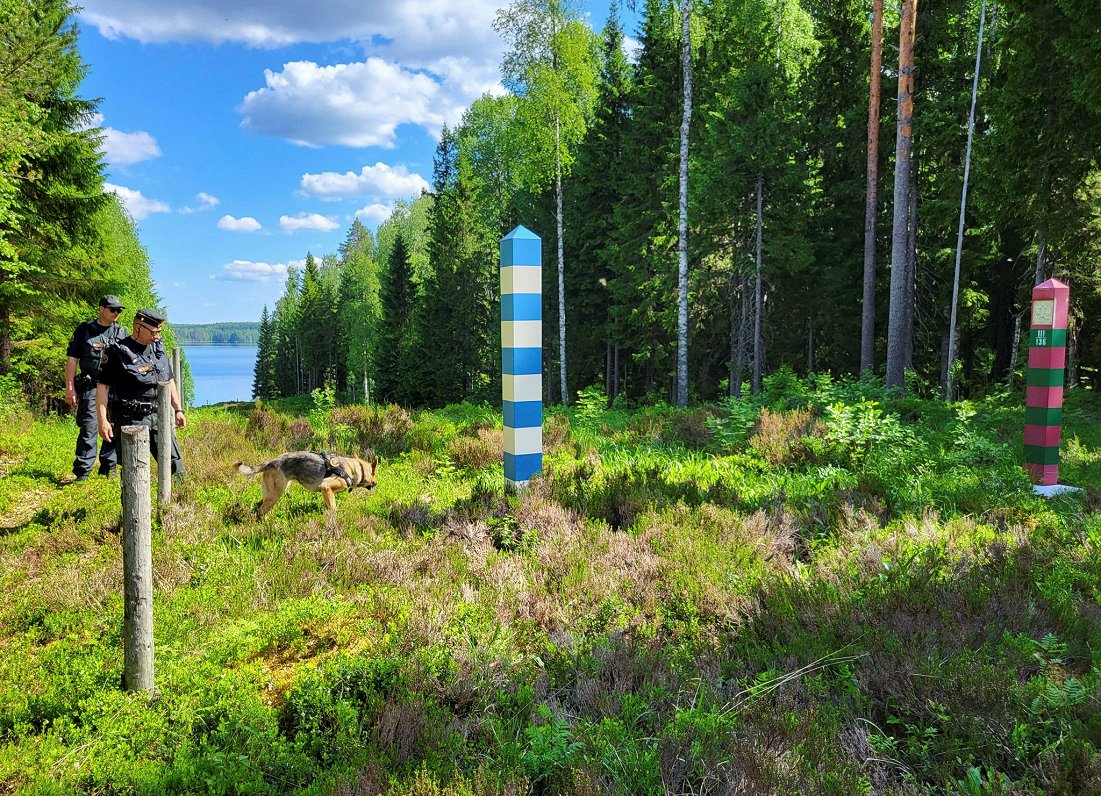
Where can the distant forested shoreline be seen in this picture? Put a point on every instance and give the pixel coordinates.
(235, 333)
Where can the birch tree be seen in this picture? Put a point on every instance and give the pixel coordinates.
(552, 66)
(682, 226)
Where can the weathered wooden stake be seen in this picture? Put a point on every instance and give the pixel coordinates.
(166, 424)
(137, 561)
(177, 372)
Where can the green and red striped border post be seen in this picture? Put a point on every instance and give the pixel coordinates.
(1047, 358)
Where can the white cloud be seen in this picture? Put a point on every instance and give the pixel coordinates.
(245, 224)
(358, 104)
(205, 201)
(137, 205)
(249, 271)
(424, 61)
(122, 149)
(309, 221)
(632, 48)
(379, 180)
(410, 29)
(375, 214)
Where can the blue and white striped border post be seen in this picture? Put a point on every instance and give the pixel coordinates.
(522, 354)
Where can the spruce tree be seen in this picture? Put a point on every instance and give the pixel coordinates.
(263, 375)
(390, 360)
(50, 169)
(592, 194)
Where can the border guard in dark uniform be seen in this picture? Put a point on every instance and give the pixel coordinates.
(128, 377)
(85, 351)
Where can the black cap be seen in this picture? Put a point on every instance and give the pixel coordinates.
(151, 318)
(112, 302)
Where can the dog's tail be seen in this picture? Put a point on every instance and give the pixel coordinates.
(243, 469)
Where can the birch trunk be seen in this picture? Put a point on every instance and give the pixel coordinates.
(682, 226)
(948, 386)
(561, 264)
(758, 290)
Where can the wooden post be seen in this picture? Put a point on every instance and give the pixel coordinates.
(177, 372)
(522, 354)
(1047, 357)
(137, 561)
(166, 425)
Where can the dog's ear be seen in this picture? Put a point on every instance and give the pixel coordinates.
(374, 467)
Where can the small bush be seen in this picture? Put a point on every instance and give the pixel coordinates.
(482, 450)
(384, 429)
(781, 437)
(268, 428)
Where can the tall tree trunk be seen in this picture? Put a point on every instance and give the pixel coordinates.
(743, 336)
(682, 225)
(867, 320)
(1011, 371)
(615, 369)
(561, 263)
(1041, 259)
(810, 347)
(732, 311)
(948, 386)
(910, 304)
(896, 322)
(5, 338)
(758, 289)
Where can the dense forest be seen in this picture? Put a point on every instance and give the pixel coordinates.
(720, 203)
(228, 333)
(806, 247)
(63, 241)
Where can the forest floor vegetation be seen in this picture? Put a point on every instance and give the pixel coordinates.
(820, 589)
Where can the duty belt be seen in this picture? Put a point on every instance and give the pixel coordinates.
(131, 408)
(84, 382)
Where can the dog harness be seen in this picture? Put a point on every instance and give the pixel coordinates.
(332, 468)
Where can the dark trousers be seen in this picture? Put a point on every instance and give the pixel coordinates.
(88, 436)
(178, 468)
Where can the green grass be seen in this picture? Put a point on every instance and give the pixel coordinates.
(823, 589)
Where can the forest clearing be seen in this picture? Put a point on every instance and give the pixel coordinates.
(820, 589)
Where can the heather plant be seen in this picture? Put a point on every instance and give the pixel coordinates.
(824, 589)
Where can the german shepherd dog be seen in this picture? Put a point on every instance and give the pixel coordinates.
(314, 473)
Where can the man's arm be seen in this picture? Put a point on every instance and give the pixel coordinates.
(181, 420)
(105, 429)
(70, 379)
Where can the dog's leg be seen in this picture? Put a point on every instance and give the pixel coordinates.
(329, 487)
(274, 485)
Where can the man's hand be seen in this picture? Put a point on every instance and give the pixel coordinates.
(181, 420)
(106, 432)
(70, 397)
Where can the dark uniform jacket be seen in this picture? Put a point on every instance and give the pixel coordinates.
(132, 371)
(89, 342)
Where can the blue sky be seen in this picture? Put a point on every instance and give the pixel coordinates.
(242, 134)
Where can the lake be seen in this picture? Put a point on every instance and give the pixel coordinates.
(221, 372)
